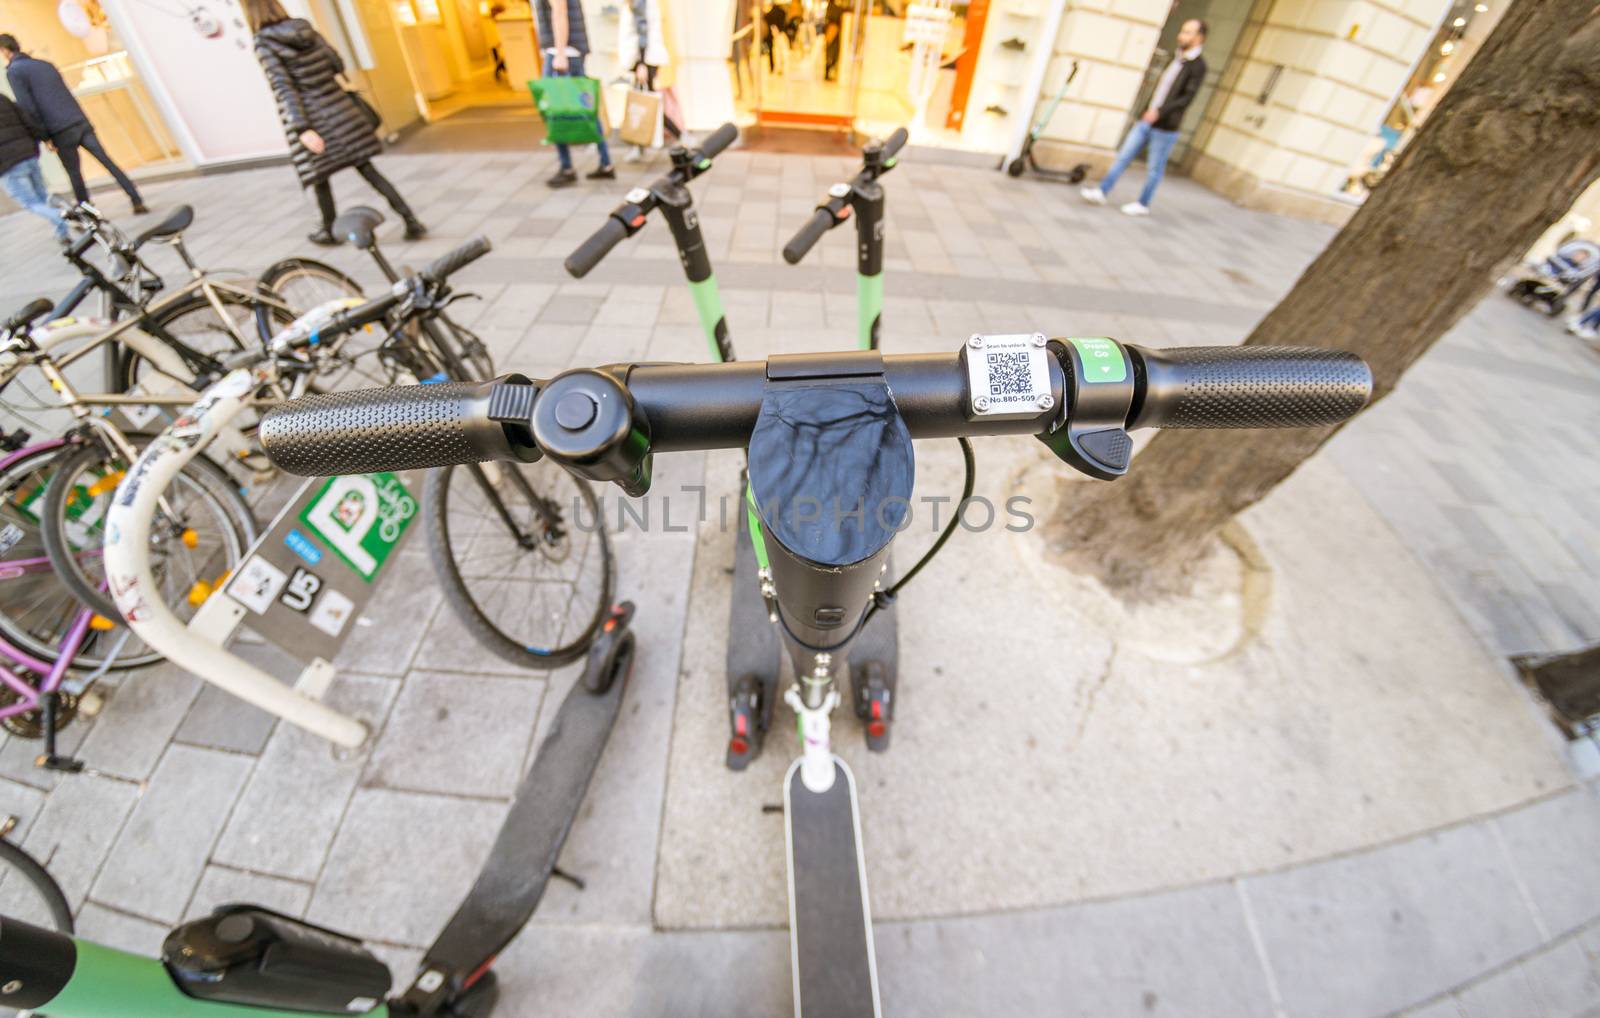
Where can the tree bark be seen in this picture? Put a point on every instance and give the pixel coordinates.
(1504, 154)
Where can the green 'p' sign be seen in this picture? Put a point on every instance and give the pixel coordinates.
(361, 517)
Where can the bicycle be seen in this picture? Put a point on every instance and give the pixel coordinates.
(199, 309)
(575, 598)
(458, 352)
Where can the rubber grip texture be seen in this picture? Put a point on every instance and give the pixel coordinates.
(398, 428)
(801, 243)
(895, 142)
(458, 259)
(1251, 387)
(588, 254)
(719, 139)
(24, 318)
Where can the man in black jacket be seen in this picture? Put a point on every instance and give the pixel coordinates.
(19, 165)
(1158, 127)
(45, 97)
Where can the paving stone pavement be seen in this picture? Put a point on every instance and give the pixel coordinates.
(1482, 461)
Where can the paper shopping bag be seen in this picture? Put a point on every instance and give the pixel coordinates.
(641, 119)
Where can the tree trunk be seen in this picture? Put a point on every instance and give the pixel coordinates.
(1504, 154)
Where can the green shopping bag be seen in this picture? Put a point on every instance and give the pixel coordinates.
(570, 108)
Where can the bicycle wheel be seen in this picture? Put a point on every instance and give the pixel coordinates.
(194, 322)
(302, 284)
(36, 609)
(29, 893)
(465, 346)
(201, 536)
(536, 595)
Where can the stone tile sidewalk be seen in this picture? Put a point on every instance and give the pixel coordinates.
(1482, 462)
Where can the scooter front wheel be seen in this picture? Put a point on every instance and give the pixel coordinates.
(1016, 167)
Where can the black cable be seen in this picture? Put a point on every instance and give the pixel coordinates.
(885, 598)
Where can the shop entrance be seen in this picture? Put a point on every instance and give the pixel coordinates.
(867, 66)
(1225, 21)
(80, 40)
(436, 58)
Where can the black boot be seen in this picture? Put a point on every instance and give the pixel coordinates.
(414, 228)
(324, 237)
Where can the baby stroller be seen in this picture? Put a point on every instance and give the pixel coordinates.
(1547, 286)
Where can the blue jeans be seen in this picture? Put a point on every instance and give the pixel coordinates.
(1160, 143)
(564, 153)
(24, 182)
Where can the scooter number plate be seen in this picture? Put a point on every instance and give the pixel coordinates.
(1009, 376)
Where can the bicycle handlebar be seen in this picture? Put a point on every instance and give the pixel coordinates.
(712, 406)
(24, 318)
(590, 253)
(454, 261)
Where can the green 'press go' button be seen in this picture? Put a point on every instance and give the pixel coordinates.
(1102, 360)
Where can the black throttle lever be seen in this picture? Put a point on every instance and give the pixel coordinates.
(587, 421)
(1099, 387)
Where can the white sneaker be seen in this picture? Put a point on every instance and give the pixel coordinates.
(1134, 208)
(1093, 195)
(1584, 332)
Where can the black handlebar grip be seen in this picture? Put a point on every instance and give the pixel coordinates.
(1248, 387)
(24, 318)
(821, 222)
(454, 261)
(406, 427)
(895, 142)
(719, 139)
(588, 254)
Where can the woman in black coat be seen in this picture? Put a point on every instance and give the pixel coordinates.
(326, 128)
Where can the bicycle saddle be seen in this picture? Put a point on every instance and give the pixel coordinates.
(357, 226)
(178, 220)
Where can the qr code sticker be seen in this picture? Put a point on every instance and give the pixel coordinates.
(1008, 374)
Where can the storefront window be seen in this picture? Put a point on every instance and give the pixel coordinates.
(1461, 32)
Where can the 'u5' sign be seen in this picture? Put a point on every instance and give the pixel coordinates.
(307, 580)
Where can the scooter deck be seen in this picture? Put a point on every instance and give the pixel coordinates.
(830, 923)
(529, 844)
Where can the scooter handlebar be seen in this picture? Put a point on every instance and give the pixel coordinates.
(718, 140)
(895, 142)
(590, 253)
(821, 222)
(1249, 387)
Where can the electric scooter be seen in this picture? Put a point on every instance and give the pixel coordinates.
(670, 194)
(1025, 160)
(1079, 396)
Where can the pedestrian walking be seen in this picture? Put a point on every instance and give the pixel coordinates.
(641, 38)
(328, 128)
(45, 97)
(1158, 126)
(20, 136)
(568, 36)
